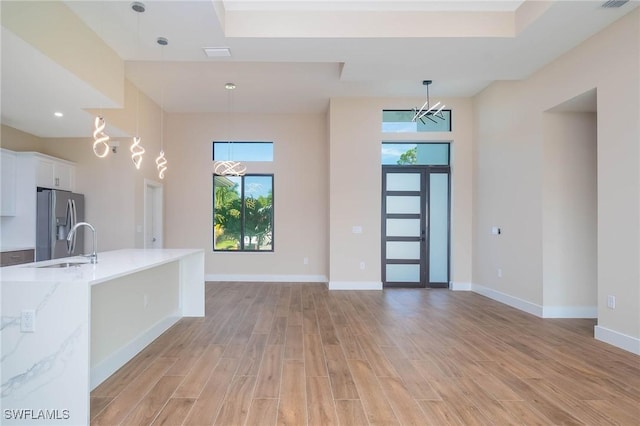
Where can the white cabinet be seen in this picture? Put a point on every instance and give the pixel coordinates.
(32, 169)
(54, 173)
(8, 183)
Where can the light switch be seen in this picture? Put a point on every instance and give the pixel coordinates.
(495, 230)
(357, 229)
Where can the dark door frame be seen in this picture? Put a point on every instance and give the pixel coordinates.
(425, 172)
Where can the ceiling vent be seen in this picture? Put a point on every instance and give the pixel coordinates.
(217, 52)
(614, 3)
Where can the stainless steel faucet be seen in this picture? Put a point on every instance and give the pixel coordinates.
(93, 257)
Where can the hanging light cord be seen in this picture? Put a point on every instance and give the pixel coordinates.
(161, 161)
(100, 138)
(229, 167)
(136, 148)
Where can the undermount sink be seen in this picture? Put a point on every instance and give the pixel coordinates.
(64, 265)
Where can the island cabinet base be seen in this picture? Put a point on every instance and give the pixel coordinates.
(128, 313)
(88, 323)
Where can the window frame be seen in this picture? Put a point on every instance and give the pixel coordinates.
(242, 248)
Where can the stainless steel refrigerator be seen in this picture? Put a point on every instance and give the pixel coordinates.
(57, 213)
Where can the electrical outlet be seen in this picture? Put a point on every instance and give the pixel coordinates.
(499, 272)
(611, 302)
(362, 265)
(305, 261)
(28, 321)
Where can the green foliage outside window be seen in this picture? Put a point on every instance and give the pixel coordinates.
(243, 213)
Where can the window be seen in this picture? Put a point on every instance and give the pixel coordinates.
(401, 121)
(243, 213)
(242, 151)
(423, 154)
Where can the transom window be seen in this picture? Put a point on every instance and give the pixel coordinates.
(401, 121)
(242, 151)
(416, 153)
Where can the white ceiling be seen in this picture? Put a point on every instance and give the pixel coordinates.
(293, 56)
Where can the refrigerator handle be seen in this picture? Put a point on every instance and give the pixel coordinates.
(53, 230)
(70, 222)
(75, 222)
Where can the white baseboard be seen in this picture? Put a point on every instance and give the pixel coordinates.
(457, 286)
(267, 278)
(355, 285)
(569, 312)
(512, 301)
(614, 338)
(619, 340)
(111, 364)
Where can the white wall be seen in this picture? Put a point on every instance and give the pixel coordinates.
(300, 195)
(355, 187)
(509, 176)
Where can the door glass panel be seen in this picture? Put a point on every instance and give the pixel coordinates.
(439, 227)
(403, 273)
(403, 250)
(403, 204)
(403, 227)
(403, 182)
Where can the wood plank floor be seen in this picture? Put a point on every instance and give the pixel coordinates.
(297, 354)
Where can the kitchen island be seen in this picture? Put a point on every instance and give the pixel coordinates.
(66, 329)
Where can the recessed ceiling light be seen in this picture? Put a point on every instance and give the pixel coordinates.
(217, 52)
(138, 6)
(58, 114)
(230, 86)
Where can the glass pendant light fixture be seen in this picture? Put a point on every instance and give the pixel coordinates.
(100, 138)
(229, 167)
(428, 111)
(136, 148)
(161, 161)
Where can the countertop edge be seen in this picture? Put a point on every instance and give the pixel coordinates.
(116, 264)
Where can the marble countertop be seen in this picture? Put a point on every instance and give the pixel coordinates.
(111, 265)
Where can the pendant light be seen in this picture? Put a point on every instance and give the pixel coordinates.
(136, 148)
(427, 110)
(100, 138)
(229, 167)
(161, 161)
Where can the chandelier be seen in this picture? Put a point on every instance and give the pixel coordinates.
(229, 167)
(428, 111)
(136, 148)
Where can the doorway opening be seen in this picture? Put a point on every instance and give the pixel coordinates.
(416, 211)
(570, 209)
(153, 214)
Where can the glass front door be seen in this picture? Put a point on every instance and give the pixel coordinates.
(415, 226)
